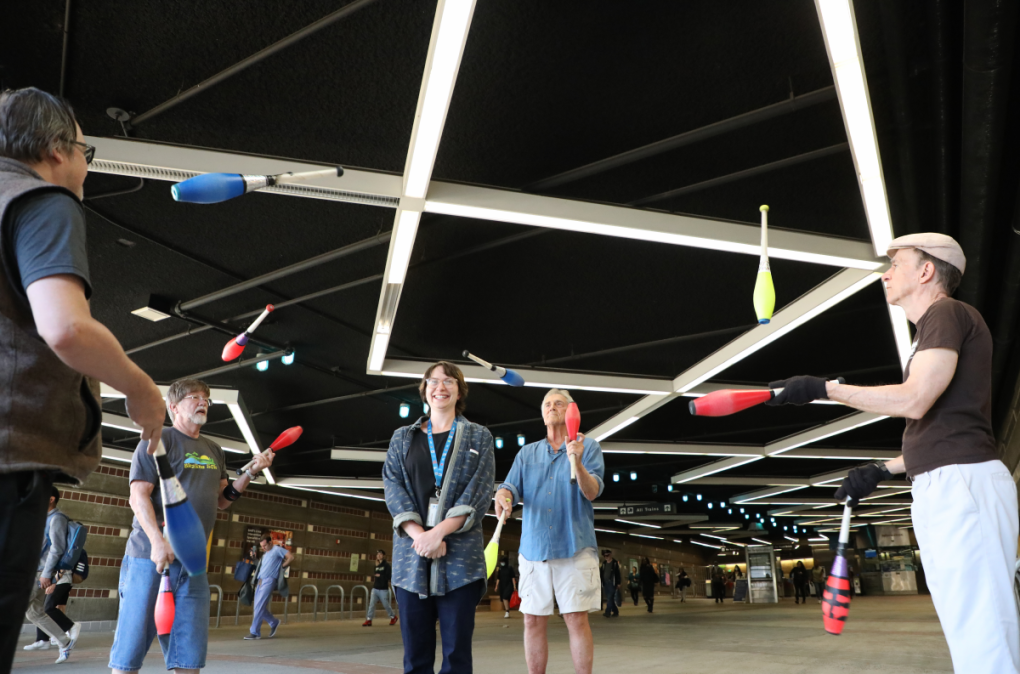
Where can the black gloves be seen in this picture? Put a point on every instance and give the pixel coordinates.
(798, 391)
(861, 482)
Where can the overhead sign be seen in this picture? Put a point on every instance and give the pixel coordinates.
(648, 509)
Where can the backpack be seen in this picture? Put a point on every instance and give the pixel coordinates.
(81, 569)
(76, 535)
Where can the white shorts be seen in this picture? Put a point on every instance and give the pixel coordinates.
(573, 581)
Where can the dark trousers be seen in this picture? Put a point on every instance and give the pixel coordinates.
(649, 601)
(801, 591)
(634, 593)
(719, 592)
(56, 598)
(609, 592)
(24, 499)
(455, 612)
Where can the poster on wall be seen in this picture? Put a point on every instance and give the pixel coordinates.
(354, 562)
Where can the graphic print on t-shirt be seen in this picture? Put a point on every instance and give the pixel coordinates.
(195, 460)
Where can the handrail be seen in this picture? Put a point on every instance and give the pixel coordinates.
(315, 601)
(219, 602)
(326, 601)
(368, 598)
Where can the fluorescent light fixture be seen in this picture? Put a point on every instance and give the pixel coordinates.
(499, 442)
(520, 440)
(645, 536)
(714, 536)
(403, 244)
(761, 541)
(789, 538)
(901, 333)
(713, 468)
(609, 531)
(150, 314)
(697, 496)
(620, 426)
(669, 487)
(405, 410)
(684, 498)
(380, 342)
(334, 493)
(500, 205)
(113, 454)
(616, 477)
(742, 545)
(288, 359)
(633, 475)
(640, 524)
(821, 539)
(710, 506)
(449, 33)
(840, 31)
(706, 545)
(262, 365)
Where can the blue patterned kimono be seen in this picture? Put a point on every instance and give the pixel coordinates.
(467, 490)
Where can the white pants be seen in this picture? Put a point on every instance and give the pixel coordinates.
(965, 519)
(573, 581)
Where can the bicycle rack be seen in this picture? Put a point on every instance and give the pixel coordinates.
(368, 598)
(326, 601)
(237, 609)
(315, 601)
(219, 602)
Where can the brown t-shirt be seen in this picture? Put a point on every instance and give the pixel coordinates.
(958, 427)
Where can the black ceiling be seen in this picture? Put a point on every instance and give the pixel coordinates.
(543, 88)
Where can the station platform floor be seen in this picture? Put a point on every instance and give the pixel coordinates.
(888, 634)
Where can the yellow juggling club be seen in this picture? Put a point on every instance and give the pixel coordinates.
(492, 549)
(764, 292)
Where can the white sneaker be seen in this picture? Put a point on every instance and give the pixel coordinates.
(65, 653)
(507, 614)
(38, 646)
(54, 642)
(73, 633)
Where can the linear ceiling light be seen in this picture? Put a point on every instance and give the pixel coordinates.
(403, 243)
(840, 31)
(712, 468)
(901, 333)
(449, 33)
(468, 201)
(761, 541)
(346, 494)
(640, 524)
(658, 538)
(705, 545)
(357, 455)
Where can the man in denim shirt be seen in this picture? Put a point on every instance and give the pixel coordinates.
(557, 556)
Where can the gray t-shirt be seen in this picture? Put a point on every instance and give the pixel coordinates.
(198, 464)
(46, 233)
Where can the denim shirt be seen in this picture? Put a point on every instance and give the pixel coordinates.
(467, 490)
(558, 519)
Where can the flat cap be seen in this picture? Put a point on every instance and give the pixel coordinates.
(939, 246)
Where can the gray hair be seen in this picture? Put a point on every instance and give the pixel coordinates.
(557, 391)
(32, 123)
(182, 387)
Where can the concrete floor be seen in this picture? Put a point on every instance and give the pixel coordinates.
(887, 634)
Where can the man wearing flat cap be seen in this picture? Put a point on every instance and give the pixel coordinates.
(965, 501)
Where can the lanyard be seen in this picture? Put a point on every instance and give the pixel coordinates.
(437, 466)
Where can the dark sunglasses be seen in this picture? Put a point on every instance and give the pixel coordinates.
(89, 151)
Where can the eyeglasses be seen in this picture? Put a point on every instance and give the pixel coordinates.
(432, 383)
(198, 399)
(89, 151)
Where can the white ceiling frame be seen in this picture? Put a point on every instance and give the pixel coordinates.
(694, 449)
(229, 397)
(843, 47)
(446, 47)
(804, 308)
(355, 454)
(331, 482)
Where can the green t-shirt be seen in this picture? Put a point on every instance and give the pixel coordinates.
(198, 464)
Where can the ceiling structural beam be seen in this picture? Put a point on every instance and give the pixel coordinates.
(841, 425)
(839, 29)
(678, 449)
(752, 481)
(349, 493)
(827, 294)
(584, 381)
(157, 161)
(712, 468)
(352, 454)
(840, 454)
(258, 56)
(289, 270)
(741, 175)
(446, 47)
(338, 482)
(744, 120)
(484, 203)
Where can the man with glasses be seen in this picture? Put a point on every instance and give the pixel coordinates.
(558, 559)
(52, 352)
(201, 468)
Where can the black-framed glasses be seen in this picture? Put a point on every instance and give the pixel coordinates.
(89, 151)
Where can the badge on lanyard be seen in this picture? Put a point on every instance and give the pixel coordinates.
(438, 465)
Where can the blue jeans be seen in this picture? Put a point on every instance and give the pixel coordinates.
(455, 612)
(263, 595)
(185, 646)
(609, 592)
(383, 597)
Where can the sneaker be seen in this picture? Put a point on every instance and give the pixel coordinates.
(367, 623)
(272, 632)
(393, 620)
(73, 633)
(38, 646)
(507, 614)
(65, 653)
(251, 637)
(54, 642)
